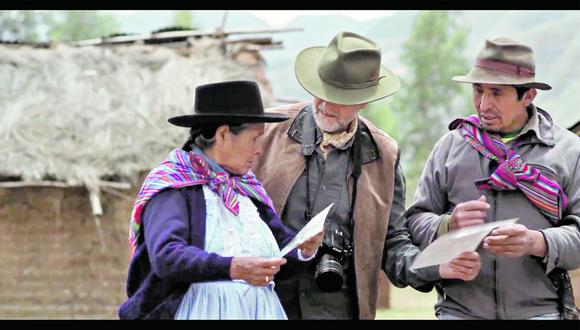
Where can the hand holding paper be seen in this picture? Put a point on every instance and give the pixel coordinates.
(469, 213)
(452, 244)
(312, 228)
(515, 241)
(465, 267)
(310, 247)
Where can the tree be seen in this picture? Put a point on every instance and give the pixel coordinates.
(184, 18)
(18, 25)
(383, 116)
(79, 25)
(429, 98)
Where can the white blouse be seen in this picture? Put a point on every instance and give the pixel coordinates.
(242, 235)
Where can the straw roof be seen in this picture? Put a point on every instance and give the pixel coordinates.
(81, 114)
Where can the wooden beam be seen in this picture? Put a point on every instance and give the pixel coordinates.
(59, 184)
(176, 34)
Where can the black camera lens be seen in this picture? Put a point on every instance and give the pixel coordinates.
(329, 274)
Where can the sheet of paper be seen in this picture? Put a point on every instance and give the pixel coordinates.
(452, 244)
(313, 227)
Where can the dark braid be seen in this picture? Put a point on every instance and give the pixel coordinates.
(204, 136)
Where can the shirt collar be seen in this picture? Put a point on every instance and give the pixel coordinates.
(533, 123)
(341, 140)
(303, 130)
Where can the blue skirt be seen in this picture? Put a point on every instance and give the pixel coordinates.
(230, 300)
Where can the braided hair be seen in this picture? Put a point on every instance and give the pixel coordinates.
(203, 136)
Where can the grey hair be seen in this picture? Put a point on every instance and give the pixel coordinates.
(204, 137)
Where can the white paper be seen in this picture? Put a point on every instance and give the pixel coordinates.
(452, 244)
(313, 227)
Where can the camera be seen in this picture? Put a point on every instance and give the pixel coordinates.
(336, 249)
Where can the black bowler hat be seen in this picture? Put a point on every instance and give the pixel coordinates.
(233, 102)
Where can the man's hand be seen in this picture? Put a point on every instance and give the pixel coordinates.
(256, 271)
(515, 240)
(469, 213)
(465, 267)
(310, 246)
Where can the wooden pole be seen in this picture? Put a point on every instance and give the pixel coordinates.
(175, 34)
(97, 213)
(59, 184)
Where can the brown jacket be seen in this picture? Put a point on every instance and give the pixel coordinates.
(282, 163)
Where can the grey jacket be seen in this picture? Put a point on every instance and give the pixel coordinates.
(506, 288)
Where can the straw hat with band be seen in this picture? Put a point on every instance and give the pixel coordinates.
(348, 71)
(504, 61)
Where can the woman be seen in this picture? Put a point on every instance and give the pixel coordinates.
(204, 233)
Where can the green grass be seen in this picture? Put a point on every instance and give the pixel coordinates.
(409, 304)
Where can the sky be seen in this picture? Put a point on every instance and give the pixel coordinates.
(279, 18)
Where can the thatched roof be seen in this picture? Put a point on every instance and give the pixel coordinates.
(83, 114)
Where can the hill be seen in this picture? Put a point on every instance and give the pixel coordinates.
(550, 33)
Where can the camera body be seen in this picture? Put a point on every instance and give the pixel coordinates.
(335, 250)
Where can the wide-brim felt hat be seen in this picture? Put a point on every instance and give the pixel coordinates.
(228, 102)
(503, 61)
(348, 71)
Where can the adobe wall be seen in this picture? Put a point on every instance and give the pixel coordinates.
(53, 265)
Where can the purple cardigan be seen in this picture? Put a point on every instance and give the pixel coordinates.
(170, 254)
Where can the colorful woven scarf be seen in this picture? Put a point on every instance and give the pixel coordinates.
(181, 169)
(513, 173)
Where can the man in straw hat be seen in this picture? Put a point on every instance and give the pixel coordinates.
(326, 153)
(509, 160)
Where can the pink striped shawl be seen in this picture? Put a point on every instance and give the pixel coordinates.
(513, 173)
(181, 169)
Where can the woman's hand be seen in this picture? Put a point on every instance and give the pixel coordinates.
(310, 246)
(254, 270)
(465, 267)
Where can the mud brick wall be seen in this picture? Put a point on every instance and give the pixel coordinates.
(52, 263)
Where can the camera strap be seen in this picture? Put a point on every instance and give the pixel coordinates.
(357, 163)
